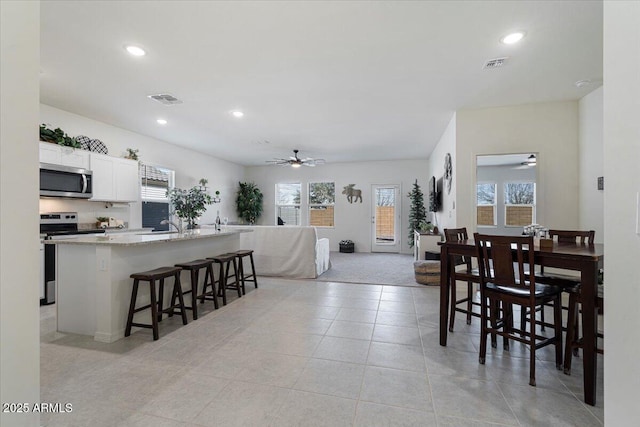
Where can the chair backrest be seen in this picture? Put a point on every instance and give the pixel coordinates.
(574, 236)
(454, 235)
(506, 260)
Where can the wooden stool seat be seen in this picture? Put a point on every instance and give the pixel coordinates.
(246, 277)
(158, 273)
(194, 268)
(156, 304)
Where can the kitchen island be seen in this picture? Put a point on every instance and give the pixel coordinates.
(93, 284)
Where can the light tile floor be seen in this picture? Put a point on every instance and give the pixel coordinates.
(307, 353)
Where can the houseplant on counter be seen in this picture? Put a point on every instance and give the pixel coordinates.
(189, 205)
(249, 202)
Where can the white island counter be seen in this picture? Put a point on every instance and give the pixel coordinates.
(93, 284)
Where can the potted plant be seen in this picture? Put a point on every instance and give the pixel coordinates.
(189, 205)
(57, 136)
(417, 211)
(102, 222)
(249, 202)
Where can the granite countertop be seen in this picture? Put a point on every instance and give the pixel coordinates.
(144, 238)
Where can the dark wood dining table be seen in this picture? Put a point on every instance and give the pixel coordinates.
(586, 259)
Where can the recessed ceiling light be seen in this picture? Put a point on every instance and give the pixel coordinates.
(161, 122)
(237, 114)
(583, 83)
(512, 38)
(135, 50)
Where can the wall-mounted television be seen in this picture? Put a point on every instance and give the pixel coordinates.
(439, 194)
(435, 194)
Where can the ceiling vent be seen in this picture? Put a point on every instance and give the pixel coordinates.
(495, 63)
(165, 99)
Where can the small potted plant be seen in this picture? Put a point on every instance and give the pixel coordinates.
(131, 154)
(189, 205)
(102, 222)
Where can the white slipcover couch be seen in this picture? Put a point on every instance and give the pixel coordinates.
(286, 251)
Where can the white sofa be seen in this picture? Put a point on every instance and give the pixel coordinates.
(286, 251)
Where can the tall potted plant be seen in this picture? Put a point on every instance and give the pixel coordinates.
(417, 211)
(249, 202)
(189, 205)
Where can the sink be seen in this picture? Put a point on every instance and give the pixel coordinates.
(157, 233)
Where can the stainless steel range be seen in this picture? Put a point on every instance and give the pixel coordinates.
(55, 226)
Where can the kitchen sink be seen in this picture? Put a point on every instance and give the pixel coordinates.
(156, 233)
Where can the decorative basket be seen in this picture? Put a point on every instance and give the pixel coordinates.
(347, 246)
(427, 272)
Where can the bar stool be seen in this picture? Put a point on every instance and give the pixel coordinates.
(224, 261)
(156, 303)
(240, 255)
(194, 267)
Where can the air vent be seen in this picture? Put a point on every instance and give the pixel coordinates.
(495, 63)
(165, 99)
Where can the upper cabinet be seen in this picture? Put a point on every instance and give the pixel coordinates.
(66, 156)
(114, 179)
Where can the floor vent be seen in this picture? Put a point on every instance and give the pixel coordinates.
(495, 63)
(165, 99)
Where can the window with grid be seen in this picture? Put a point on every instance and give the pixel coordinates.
(322, 198)
(288, 203)
(519, 203)
(486, 204)
(154, 183)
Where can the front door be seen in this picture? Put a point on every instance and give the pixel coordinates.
(385, 218)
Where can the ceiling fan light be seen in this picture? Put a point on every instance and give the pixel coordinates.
(296, 165)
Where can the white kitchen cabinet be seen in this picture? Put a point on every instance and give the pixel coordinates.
(114, 179)
(65, 156)
(425, 242)
(127, 182)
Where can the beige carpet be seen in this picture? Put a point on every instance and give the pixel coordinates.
(375, 268)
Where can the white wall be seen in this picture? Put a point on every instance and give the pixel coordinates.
(446, 217)
(549, 129)
(19, 182)
(352, 221)
(591, 208)
(501, 175)
(622, 185)
(189, 166)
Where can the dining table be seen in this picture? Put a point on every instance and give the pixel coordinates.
(583, 258)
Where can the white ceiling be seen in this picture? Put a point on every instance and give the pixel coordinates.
(343, 81)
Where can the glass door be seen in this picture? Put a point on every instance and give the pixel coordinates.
(385, 218)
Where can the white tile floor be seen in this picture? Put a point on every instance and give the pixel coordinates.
(307, 353)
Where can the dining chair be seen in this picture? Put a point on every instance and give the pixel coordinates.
(573, 340)
(568, 283)
(506, 278)
(469, 275)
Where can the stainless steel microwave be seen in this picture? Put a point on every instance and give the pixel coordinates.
(65, 181)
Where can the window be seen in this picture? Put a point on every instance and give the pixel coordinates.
(155, 182)
(322, 198)
(486, 204)
(288, 203)
(519, 203)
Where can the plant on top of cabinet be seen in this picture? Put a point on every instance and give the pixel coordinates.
(57, 136)
(189, 205)
(132, 154)
(249, 202)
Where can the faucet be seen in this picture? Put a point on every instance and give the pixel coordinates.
(177, 226)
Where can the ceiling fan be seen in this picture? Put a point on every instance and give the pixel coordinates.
(295, 161)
